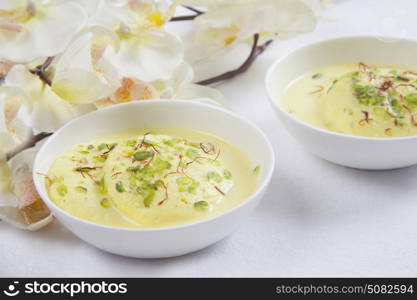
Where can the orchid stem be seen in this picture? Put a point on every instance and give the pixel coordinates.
(198, 12)
(255, 52)
(41, 70)
(188, 18)
(30, 144)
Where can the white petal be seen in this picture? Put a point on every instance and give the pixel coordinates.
(78, 86)
(43, 110)
(49, 112)
(43, 36)
(12, 206)
(13, 132)
(149, 56)
(82, 75)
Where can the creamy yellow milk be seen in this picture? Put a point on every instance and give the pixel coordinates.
(356, 98)
(151, 178)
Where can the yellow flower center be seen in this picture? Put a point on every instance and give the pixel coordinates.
(157, 18)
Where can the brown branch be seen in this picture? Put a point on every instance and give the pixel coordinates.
(197, 11)
(41, 70)
(189, 17)
(29, 144)
(255, 52)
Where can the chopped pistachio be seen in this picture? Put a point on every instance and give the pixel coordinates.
(227, 174)
(192, 153)
(149, 198)
(380, 112)
(411, 98)
(257, 170)
(119, 187)
(367, 94)
(214, 176)
(81, 189)
(62, 190)
(142, 155)
(184, 181)
(102, 147)
(131, 143)
(84, 152)
(172, 142)
(105, 203)
(201, 205)
(160, 165)
(99, 158)
(195, 145)
(193, 187)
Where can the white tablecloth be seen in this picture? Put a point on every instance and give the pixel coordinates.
(317, 219)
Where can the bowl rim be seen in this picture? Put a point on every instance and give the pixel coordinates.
(259, 189)
(274, 101)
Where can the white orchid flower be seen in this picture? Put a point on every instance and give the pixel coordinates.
(13, 132)
(147, 52)
(179, 86)
(40, 108)
(226, 24)
(30, 29)
(20, 204)
(77, 79)
(82, 75)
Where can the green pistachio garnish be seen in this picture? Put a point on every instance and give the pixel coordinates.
(201, 205)
(131, 143)
(193, 187)
(214, 176)
(119, 187)
(192, 153)
(102, 186)
(142, 155)
(81, 189)
(382, 113)
(99, 158)
(172, 142)
(149, 198)
(160, 165)
(227, 174)
(62, 190)
(257, 170)
(84, 152)
(367, 95)
(411, 99)
(195, 145)
(102, 147)
(183, 183)
(105, 203)
(134, 169)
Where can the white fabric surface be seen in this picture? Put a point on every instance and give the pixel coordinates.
(317, 219)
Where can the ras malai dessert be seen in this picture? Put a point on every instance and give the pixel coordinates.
(357, 99)
(150, 179)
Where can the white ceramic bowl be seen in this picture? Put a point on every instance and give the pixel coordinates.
(164, 242)
(347, 150)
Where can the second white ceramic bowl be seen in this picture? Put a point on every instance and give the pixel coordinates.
(160, 242)
(346, 150)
